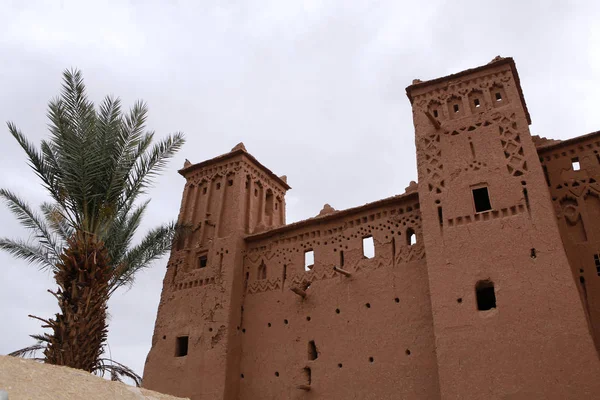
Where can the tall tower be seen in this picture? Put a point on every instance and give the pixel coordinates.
(196, 343)
(507, 318)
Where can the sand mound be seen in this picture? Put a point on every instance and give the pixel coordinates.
(27, 379)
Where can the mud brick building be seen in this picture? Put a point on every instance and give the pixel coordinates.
(480, 282)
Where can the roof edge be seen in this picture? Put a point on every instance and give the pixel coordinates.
(331, 216)
(498, 61)
(567, 142)
(237, 151)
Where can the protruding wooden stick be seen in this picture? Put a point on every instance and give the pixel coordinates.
(303, 387)
(434, 121)
(299, 292)
(342, 271)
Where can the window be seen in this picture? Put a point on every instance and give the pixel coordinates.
(435, 113)
(203, 261)
(486, 295)
(597, 262)
(455, 107)
(498, 96)
(477, 103)
(411, 238)
(309, 260)
(481, 198)
(575, 164)
(181, 346)
(368, 247)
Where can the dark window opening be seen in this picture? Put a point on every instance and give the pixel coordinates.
(477, 104)
(204, 190)
(230, 182)
(181, 346)
(341, 258)
(533, 253)
(218, 185)
(597, 262)
(526, 196)
(202, 261)
(440, 216)
(435, 113)
(255, 192)
(472, 149)
(368, 247)
(455, 107)
(486, 295)
(498, 96)
(411, 237)
(482, 199)
(312, 350)
(575, 164)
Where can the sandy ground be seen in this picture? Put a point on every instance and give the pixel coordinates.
(27, 379)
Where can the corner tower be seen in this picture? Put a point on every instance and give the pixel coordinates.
(507, 318)
(196, 343)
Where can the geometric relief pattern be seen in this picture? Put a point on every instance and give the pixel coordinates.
(405, 254)
(433, 166)
(389, 226)
(511, 143)
(263, 285)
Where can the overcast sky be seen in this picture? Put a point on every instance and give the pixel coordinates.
(315, 90)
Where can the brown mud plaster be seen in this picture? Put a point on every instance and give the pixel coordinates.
(484, 282)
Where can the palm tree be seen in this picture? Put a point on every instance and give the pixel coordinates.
(94, 167)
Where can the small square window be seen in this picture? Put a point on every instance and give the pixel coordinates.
(481, 198)
(203, 261)
(575, 164)
(181, 346)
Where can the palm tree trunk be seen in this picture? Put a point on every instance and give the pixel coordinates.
(80, 330)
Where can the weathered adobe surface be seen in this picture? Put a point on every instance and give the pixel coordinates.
(28, 379)
(408, 321)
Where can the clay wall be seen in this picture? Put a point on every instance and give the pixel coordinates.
(366, 336)
(470, 292)
(499, 278)
(572, 171)
(224, 199)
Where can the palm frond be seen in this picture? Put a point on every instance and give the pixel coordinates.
(155, 244)
(29, 351)
(150, 164)
(57, 221)
(31, 221)
(117, 371)
(37, 255)
(122, 230)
